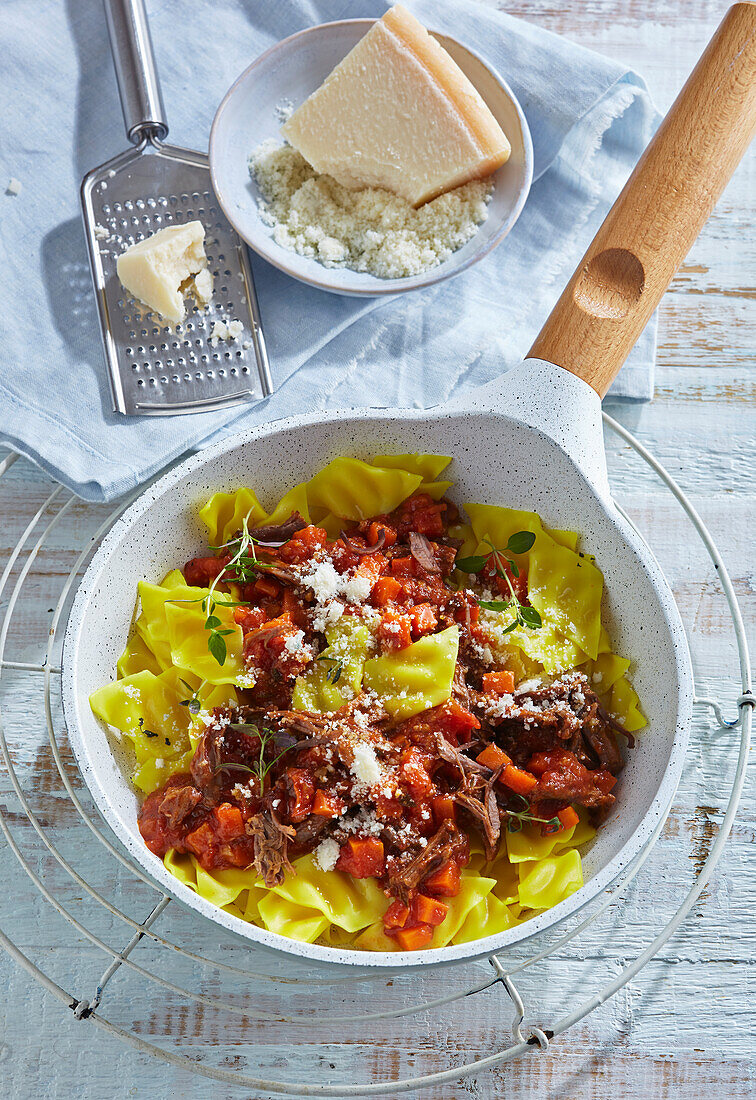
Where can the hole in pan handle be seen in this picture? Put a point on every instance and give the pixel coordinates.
(660, 212)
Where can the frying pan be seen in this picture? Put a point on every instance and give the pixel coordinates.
(531, 440)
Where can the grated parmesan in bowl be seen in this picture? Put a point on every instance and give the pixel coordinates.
(368, 230)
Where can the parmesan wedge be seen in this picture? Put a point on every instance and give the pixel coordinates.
(399, 114)
(160, 269)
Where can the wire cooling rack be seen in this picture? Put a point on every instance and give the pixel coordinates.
(226, 1007)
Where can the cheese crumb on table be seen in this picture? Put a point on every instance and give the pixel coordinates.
(162, 268)
(370, 230)
(14, 187)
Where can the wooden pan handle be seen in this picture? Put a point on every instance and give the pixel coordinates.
(660, 212)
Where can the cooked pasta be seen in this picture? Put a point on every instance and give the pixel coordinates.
(368, 720)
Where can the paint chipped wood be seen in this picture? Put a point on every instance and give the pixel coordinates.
(685, 1027)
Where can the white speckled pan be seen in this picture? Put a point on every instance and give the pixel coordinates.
(531, 440)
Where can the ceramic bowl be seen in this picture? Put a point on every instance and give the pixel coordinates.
(287, 74)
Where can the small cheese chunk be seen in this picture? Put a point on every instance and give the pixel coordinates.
(399, 114)
(158, 270)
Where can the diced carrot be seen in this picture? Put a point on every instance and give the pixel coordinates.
(301, 791)
(371, 566)
(498, 683)
(201, 840)
(519, 781)
(444, 881)
(423, 618)
(568, 817)
(493, 757)
(412, 939)
(539, 763)
(267, 586)
(444, 808)
(362, 857)
(428, 910)
(249, 618)
(414, 774)
(395, 630)
(281, 622)
(384, 591)
(374, 534)
(403, 567)
(456, 722)
(312, 536)
(230, 821)
(605, 781)
(301, 545)
(388, 809)
(325, 804)
(396, 915)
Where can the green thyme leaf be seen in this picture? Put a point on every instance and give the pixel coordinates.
(473, 564)
(217, 647)
(520, 542)
(530, 617)
(261, 766)
(494, 605)
(212, 622)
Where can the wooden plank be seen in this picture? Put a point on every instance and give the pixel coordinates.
(685, 1026)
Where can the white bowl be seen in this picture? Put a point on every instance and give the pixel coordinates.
(288, 73)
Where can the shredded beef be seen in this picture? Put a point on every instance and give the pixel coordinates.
(423, 551)
(277, 534)
(220, 744)
(485, 811)
(566, 714)
(178, 803)
(569, 789)
(361, 551)
(404, 879)
(271, 842)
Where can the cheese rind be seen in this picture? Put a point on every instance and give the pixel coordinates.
(156, 269)
(398, 113)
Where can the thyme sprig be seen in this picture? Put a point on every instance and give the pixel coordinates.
(333, 675)
(504, 565)
(518, 818)
(245, 564)
(260, 768)
(193, 703)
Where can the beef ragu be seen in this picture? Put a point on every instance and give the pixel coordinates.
(371, 796)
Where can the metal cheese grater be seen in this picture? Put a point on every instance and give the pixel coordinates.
(158, 369)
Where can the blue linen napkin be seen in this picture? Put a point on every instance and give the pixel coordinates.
(589, 120)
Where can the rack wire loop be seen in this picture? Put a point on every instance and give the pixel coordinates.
(250, 1008)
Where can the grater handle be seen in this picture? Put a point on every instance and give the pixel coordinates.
(134, 60)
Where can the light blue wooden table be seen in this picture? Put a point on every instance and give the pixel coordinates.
(685, 1027)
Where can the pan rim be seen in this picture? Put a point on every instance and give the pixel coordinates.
(385, 961)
